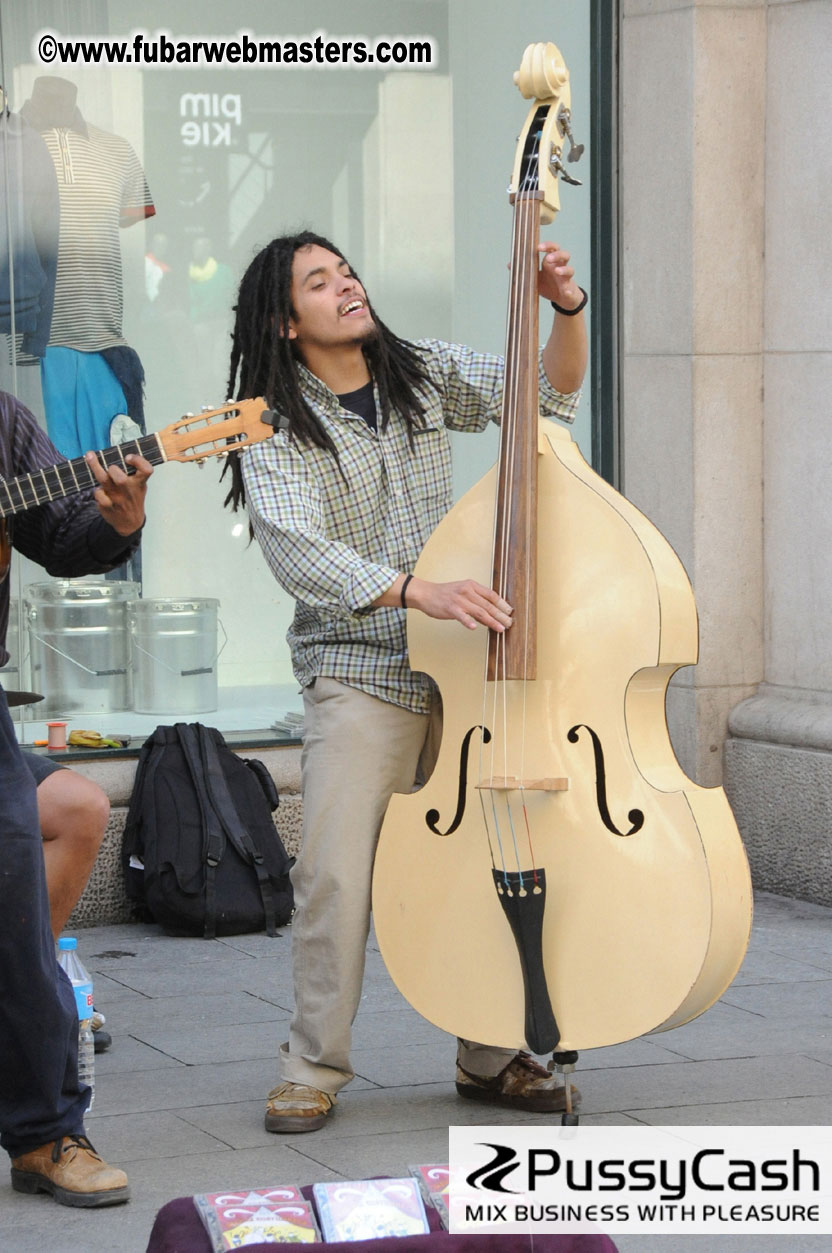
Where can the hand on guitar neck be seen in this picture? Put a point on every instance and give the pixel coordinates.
(468, 602)
(120, 496)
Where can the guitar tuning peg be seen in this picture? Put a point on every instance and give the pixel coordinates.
(206, 409)
(189, 414)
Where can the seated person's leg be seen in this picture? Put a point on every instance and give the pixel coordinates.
(42, 1103)
(73, 815)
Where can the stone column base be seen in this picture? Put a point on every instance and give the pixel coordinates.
(778, 777)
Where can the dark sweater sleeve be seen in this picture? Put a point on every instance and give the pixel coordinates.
(67, 537)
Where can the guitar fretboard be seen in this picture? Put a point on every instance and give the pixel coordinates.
(67, 478)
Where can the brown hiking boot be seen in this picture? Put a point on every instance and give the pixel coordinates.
(522, 1084)
(297, 1107)
(72, 1171)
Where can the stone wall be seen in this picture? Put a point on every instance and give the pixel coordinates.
(726, 308)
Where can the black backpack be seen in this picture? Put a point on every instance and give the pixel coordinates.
(200, 852)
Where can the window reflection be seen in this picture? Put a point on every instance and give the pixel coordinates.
(135, 198)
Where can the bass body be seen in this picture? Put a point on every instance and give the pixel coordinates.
(646, 905)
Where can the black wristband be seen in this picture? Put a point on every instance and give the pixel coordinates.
(570, 313)
(407, 579)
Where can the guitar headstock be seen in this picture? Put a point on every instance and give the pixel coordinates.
(215, 432)
(543, 78)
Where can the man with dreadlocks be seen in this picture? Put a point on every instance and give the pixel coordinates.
(342, 501)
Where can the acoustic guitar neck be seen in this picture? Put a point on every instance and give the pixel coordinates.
(68, 478)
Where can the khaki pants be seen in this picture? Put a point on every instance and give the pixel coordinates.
(357, 751)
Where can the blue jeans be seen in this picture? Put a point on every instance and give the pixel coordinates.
(40, 1096)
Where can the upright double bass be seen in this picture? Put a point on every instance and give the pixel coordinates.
(559, 883)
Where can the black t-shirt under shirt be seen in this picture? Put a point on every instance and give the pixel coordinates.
(363, 402)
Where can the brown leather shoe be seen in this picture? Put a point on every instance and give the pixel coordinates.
(72, 1171)
(522, 1084)
(297, 1107)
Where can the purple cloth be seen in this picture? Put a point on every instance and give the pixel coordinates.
(178, 1229)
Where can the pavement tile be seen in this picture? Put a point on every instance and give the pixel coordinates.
(259, 945)
(721, 1244)
(148, 1137)
(647, 1052)
(109, 991)
(819, 1054)
(405, 1027)
(227, 973)
(796, 1002)
(416, 1063)
(226, 1043)
(691, 1083)
(764, 966)
(128, 1055)
(195, 1012)
(379, 1153)
(795, 1111)
(816, 955)
(728, 1031)
(179, 1087)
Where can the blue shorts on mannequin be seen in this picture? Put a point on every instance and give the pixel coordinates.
(81, 396)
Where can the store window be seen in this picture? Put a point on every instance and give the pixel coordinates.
(136, 195)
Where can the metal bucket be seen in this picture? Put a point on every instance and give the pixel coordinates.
(79, 645)
(12, 675)
(174, 650)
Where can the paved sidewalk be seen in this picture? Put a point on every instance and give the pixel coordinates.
(196, 1024)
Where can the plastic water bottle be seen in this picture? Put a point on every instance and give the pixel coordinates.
(82, 987)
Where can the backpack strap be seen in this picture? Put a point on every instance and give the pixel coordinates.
(267, 783)
(132, 839)
(212, 824)
(223, 803)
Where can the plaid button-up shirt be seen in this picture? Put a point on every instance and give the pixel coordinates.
(336, 541)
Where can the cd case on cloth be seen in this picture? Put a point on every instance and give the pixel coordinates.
(435, 1177)
(278, 1215)
(366, 1209)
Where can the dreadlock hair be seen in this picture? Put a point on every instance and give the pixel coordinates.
(264, 360)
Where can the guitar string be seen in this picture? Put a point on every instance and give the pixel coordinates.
(147, 446)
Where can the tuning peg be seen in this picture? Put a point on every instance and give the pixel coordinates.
(557, 165)
(565, 121)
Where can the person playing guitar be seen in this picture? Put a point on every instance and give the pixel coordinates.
(42, 1101)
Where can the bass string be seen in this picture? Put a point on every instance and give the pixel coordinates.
(524, 243)
(504, 458)
(531, 242)
(505, 478)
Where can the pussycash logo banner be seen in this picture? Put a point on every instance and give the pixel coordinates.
(660, 1180)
